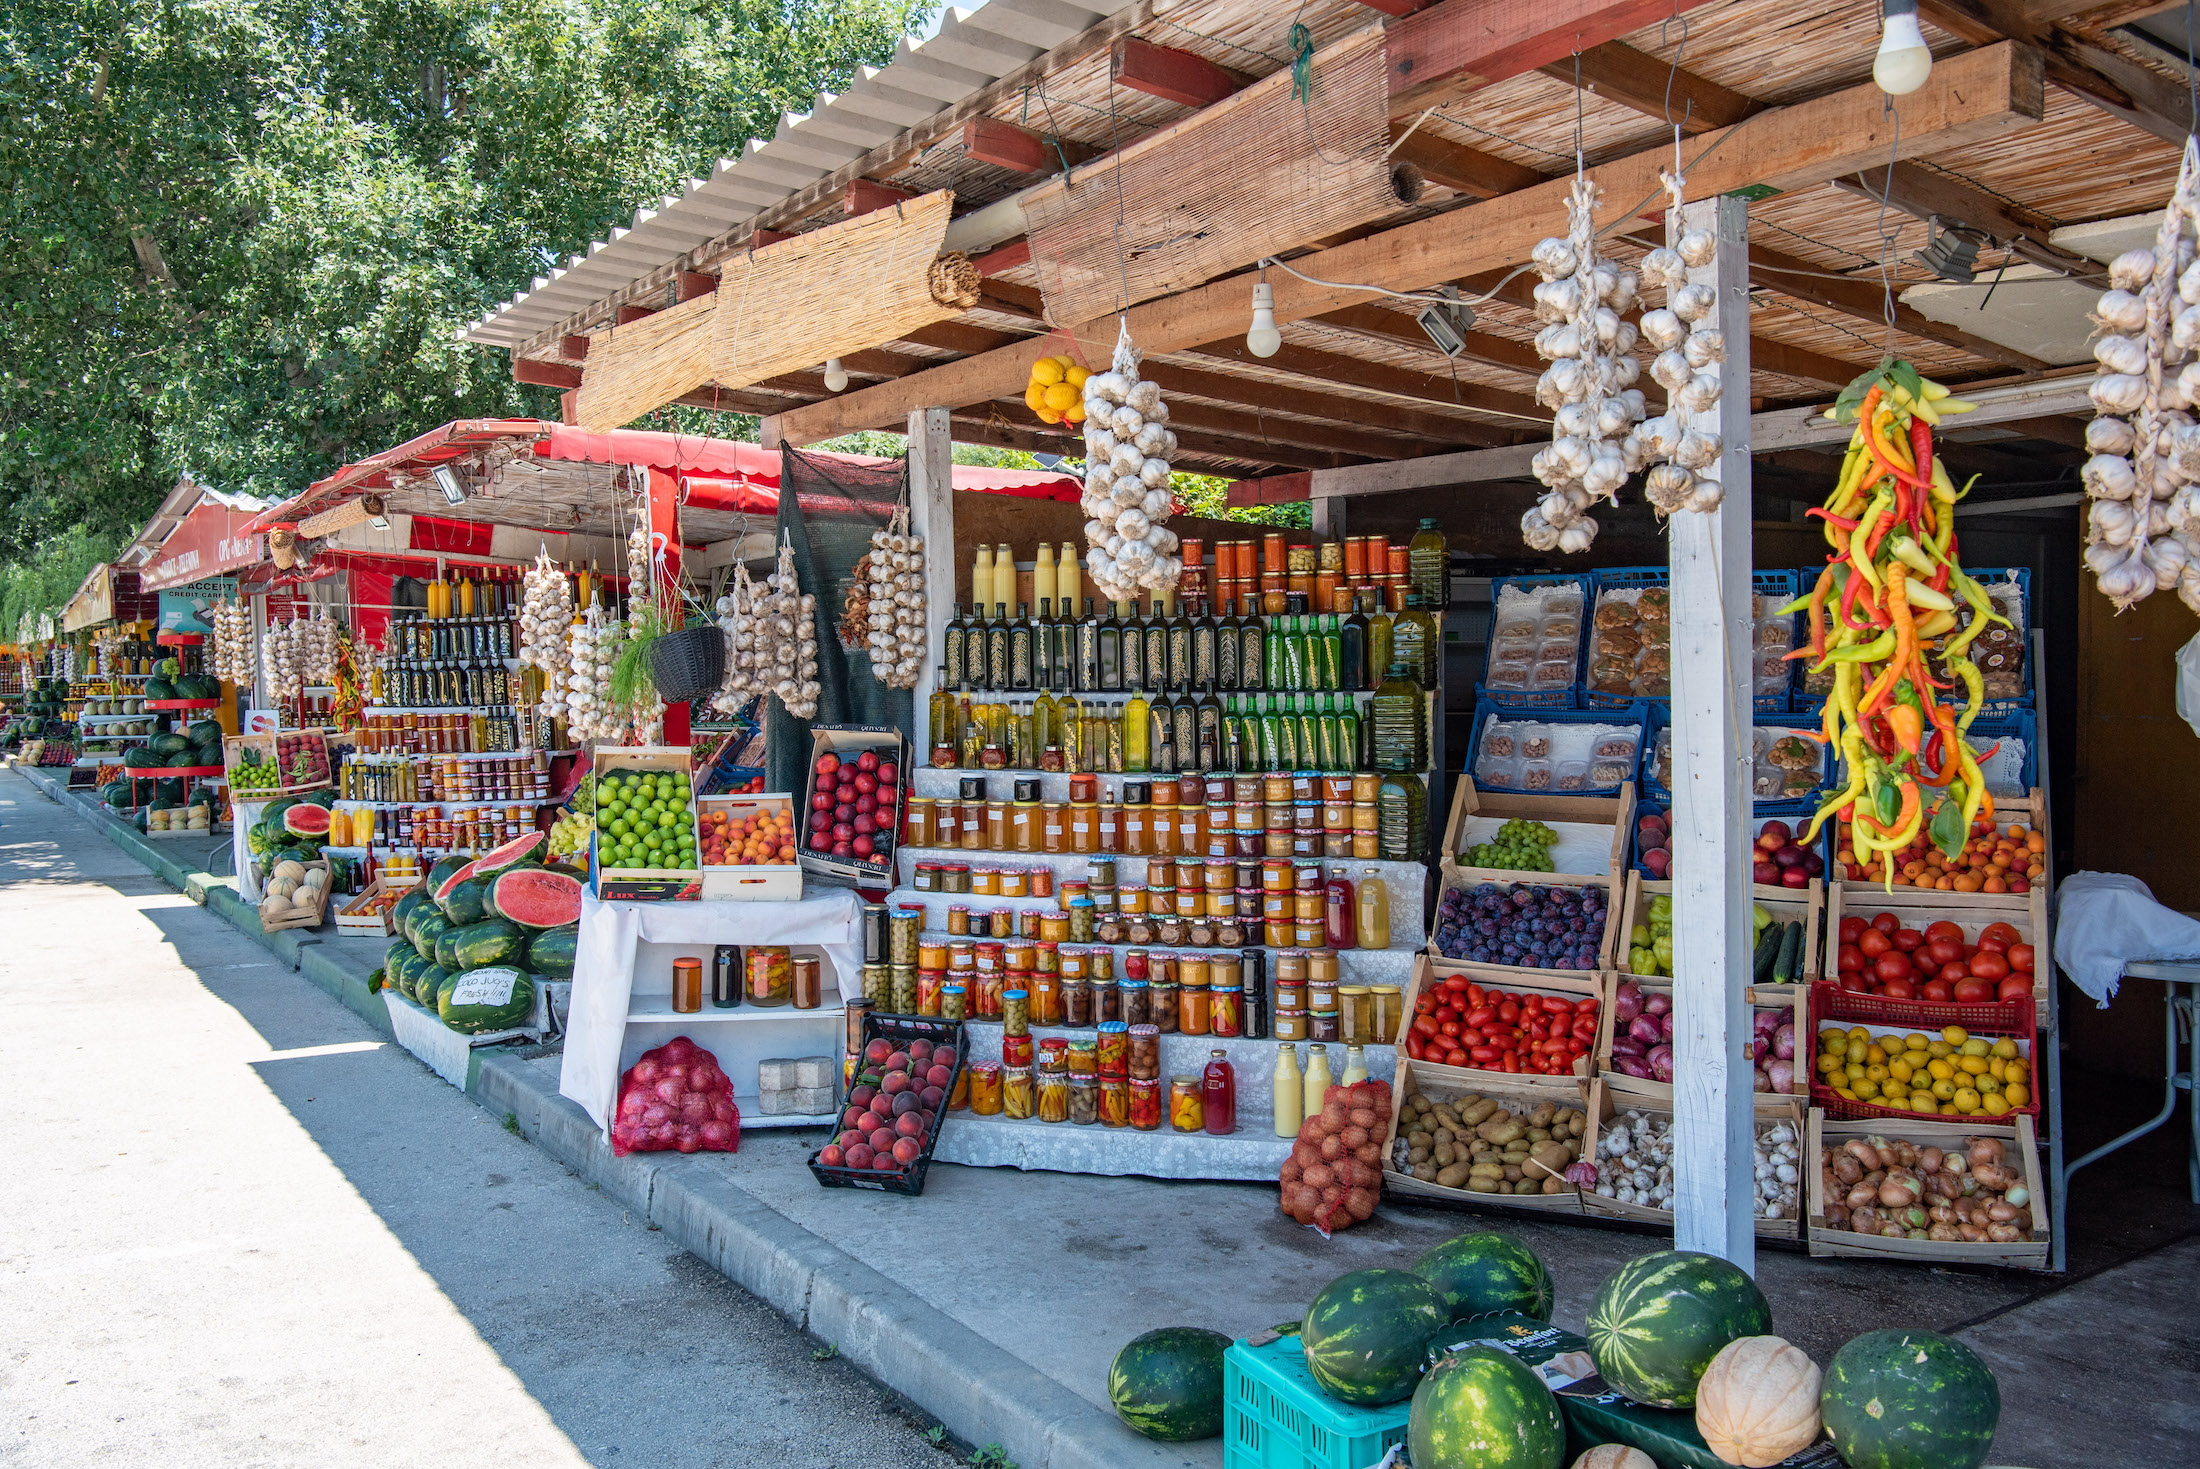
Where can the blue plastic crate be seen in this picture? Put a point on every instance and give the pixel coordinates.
(1776, 587)
(1988, 576)
(1630, 714)
(1565, 698)
(1653, 791)
(2019, 724)
(1277, 1417)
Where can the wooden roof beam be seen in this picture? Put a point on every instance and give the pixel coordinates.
(2119, 86)
(1381, 377)
(1035, 437)
(1020, 149)
(1255, 394)
(1182, 77)
(1456, 166)
(1972, 97)
(694, 283)
(1926, 193)
(1440, 54)
(868, 196)
(1866, 300)
(1617, 72)
(537, 373)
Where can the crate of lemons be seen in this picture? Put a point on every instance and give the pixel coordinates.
(1056, 391)
(645, 819)
(1951, 1074)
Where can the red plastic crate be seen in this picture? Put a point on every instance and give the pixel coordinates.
(1832, 1005)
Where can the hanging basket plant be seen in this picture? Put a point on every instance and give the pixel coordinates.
(687, 664)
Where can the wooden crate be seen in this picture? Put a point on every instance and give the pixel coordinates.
(1615, 899)
(1580, 821)
(1919, 908)
(302, 917)
(2023, 1144)
(850, 741)
(776, 882)
(1794, 999)
(2028, 810)
(1806, 905)
(1570, 984)
(1517, 1093)
(1768, 1109)
(264, 744)
(367, 916)
(644, 884)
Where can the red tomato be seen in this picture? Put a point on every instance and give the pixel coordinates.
(1852, 929)
(2020, 958)
(1874, 943)
(1509, 1011)
(1953, 972)
(2002, 933)
(1890, 967)
(1448, 1027)
(1899, 989)
(1943, 951)
(1937, 989)
(2015, 987)
(1944, 930)
(1886, 922)
(1973, 991)
(1855, 981)
(1413, 1045)
(1989, 965)
(1849, 959)
(1455, 1058)
(1908, 940)
(1586, 1005)
(1991, 945)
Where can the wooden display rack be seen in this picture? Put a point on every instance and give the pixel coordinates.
(1786, 905)
(1920, 907)
(773, 882)
(1570, 984)
(1627, 1090)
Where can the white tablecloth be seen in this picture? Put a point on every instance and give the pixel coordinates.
(2105, 920)
(603, 973)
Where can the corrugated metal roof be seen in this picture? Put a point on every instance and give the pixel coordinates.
(971, 50)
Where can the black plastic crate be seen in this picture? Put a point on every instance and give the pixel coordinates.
(900, 1029)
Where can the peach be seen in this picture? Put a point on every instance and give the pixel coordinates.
(907, 1151)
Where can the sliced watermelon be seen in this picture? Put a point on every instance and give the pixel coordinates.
(444, 888)
(306, 820)
(536, 897)
(513, 852)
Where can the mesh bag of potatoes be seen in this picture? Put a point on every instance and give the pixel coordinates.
(1334, 1176)
(1478, 1144)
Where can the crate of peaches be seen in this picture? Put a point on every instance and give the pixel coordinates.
(748, 848)
(1994, 859)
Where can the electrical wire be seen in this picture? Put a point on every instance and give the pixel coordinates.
(1429, 297)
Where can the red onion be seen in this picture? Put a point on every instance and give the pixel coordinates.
(1758, 1081)
(1582, 1174)
(1783, 1043)
(1656, 1004)
(1762, 1022)
(1781, 1074)
(1645, 1029)
(1633, 1066)
(1661, 1063)
(670, 1090)
(1627, 1045)
(645, 1073)
(1665, 1027)
(1627, 1001)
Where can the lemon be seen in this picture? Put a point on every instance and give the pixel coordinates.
(1950, 1109)
(1035, 397)
(2006, 1049)
(1976, 1046)
(1966, 1101)
(1998, 1069)
(1075, 413)
(1074, 375)
(2016, 1095)
(1955, 1035)
(1988, 1086)
(2017, 1071)
(1860, 1035)
(1876, 1055)
(1916, 1060)
(1996, 1106)
(1944, 1089)
(1046, 372)
(1901, 1071)
(1832, 1043)
(1916, 1042)
(1048, 415)
(1828, 1062)
(1940, 1048)
(1866, 1088)
(1060, 396)
(1941, 1068)
(1971, 1065)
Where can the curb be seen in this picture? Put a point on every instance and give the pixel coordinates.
(981, 1392)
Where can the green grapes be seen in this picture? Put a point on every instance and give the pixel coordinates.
(1520, 846)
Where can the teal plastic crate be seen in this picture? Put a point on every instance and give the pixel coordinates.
(1277, 1417)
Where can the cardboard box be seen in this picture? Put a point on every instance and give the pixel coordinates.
(754, 883)
(1515, 1093)
(643, 884)
(850, 741)
(265, 746)
(2024, 1153)
(1579, 820)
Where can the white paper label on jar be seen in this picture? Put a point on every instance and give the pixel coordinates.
(485, 987)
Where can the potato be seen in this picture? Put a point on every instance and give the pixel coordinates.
(1474, 1116)
(1556, 1186)
(1418, 1105)
(1551, 1155)
(1500, 1129)
(1538, 1134)
(1417, 1155)
(1488, 1186)
(1542, 1115)
(1514, 1173)
(1425, 1172)
(1527, 1186)
(1454, 1176)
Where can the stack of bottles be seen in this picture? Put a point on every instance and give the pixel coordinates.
(1214, 818)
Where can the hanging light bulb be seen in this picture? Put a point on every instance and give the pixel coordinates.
(1904, 61)
(1263, 340)
(836, 376)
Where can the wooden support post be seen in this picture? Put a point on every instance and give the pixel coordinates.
(664, 541)
(932, 516)
(1712, 1099)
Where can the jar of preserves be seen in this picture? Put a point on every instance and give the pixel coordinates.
(1107, 1000)
(687, 986)
(956, 877)
(927, 878)
(1145, 1050)
(1290, 1025)
(1015, 1012)
(1017, 1050)
(1076, 1001)
(930, 982)
(1082, 1055)
(904, 928)
(1115, 1101)
(1018, 1096)
(1053, 1099)
(932, 954)
(1015, 882)
(1083, 920)
(954, 1002)
(1355, 1014)
(1388, 1004)
(1053, 826)
(768, 975)
(1137, 1001)
(1084, 1100)
(1044, 1002)
(985, 881)
(985, 1088)
(958, 919)
(1322, 1025)
(916, 823)
(1054, 928)
(962, 957)
(1042, 882)
(1192, 1015)
(1113, 1048)
(1225, 1010)
(1187, 1106)
(809, 982)
(1145, 1103)
(1162, 994)
(902, 988)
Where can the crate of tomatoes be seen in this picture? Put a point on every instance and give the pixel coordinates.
(1548, 1028)
(1938, 953)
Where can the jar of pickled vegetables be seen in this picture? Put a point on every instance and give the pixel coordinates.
(985, 1088)
(1053, 1099)
(1016, 1050)
(1107, 1001)
(1113, 1049)
(930, 982)
(1145, 1051)
(1187, 1104)
(1084, 1100)
(1044, 992)
(1015, 1012)
(1115, 1101)
(1019, 1097)
(1226, 1010)
(1163, 1005)
(1145, 1103)
(1082, 1057)
(902, 983)
(1137, 1002)
(954, 1002)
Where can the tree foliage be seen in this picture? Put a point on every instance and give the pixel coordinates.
(238, 237)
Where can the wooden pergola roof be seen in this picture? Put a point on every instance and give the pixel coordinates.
(2040, 116)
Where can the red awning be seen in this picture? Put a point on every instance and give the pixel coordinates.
(212, 540)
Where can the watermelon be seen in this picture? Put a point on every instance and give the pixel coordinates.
(185, 758)
(466, 901)
(1167, 1384)
(1484, 1408)
(536, 897)
(398, 962)
(499, 997)
(426, 980)
(428, 925)
(204, 732)
(1366, 1333)
(515, 851)
(171, 788)
(306, 820)
(143, 757)
(1659, 1320)
(552, 952)
(168, 744)
(444, 888)
(160, 688)
(446, 957)
(115, 793)
(405, 908)
(1910, 1400)
(207, 754)
(440, 873)
(480, 945)
(1477, 1274)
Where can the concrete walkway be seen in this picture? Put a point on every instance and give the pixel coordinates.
(996, 1300)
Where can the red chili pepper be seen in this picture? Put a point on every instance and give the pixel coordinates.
(1921, 450)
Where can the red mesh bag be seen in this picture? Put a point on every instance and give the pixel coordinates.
(675, 1099)
(1334, 1176)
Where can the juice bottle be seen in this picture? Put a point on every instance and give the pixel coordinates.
(1373, 911)
(1355, 1066)
(1317, 1081)
(1218, 1094)
(1289, 1087)
(1340, 912)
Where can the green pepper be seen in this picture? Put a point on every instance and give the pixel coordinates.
(1948, 829)
(1886, 806)
(1662, 946)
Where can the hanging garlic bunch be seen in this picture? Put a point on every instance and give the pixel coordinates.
(280, 661)
(317, 638)
(1127, 496)
(639, 581)
(1594, 445)
(2143, 529)
(1682, 441)
(895, 611)
(787, 620)
(591, 644)
(545, 616)
(737, 620)
(234, 656)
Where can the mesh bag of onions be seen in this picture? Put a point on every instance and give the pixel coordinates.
(676, 1099)
(1334, 1176)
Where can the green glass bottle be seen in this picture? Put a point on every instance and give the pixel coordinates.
(1352, 649)
(1271, 736)
(1252, 647)
(1329, 648)
(1379, 651)
(1351, 736)
(1287, 734)
(1311, 756)
(1400, 723)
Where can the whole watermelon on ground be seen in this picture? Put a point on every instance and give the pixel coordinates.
(1477, 1274)
(535, 897)
(1659, 1320)
(481, 1011)
(1365, 1335)
(1483, 1408)
(466, 900)
(553, 952)
(428, 925)
(1167, 1384)
(1910, 1400)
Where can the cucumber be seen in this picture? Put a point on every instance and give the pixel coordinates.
(1788, 967)
(1768, 949)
